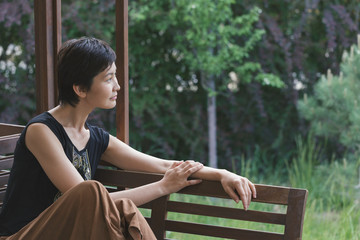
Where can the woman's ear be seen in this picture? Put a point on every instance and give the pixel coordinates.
(80, 91)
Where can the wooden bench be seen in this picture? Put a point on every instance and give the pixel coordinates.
(9, 135)
(292, 201)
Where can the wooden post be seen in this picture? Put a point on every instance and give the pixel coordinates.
(122, 73)
(158, 216)
(47, 43)
(295, 214)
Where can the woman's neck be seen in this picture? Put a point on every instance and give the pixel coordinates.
(69, 116)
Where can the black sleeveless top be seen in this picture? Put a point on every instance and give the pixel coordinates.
(29, 190)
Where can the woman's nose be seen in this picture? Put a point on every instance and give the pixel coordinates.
(117, 86)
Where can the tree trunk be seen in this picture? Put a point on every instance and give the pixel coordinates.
(211, 112)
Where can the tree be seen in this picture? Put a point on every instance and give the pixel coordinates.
(213, 43)
(302, 40)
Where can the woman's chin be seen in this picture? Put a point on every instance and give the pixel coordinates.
(110, 106)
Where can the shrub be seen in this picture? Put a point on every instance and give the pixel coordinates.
(334, 108)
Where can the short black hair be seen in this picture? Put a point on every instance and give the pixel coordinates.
(79, 61)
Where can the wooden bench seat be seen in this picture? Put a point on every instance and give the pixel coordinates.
(291, 218)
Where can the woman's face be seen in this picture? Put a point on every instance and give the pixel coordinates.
(103, 91)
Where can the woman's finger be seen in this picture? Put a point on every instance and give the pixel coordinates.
(194, 181)
(253, 189)
(232, 194)
(175, 164)
(243, 193)
(247, 189)
(192, 161)
(248, 193)
(243, 196)
(194, 169)
(189, 168)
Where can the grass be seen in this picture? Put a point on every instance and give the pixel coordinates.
(330, 224)
(333, 206)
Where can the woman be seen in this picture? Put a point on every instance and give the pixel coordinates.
(58, 150)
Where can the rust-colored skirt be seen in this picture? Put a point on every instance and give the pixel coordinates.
(87, 212)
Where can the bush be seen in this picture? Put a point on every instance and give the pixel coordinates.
(334, 108)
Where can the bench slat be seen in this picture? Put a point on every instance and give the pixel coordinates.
(10, 129)
(8, 143)
(223, 232)
(6, 162)
(226, 212)
(125, 179)
(4, 180)
(121, 178)
(2, 196)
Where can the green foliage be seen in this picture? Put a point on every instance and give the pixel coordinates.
(17, 90)
(335, 179)
(333, 110)
(295, 40)
(88, 18)
(326, 224)
(168, 81)
(302, 167)
(333, 193)
(213, 41)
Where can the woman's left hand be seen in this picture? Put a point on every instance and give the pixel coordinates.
(238, 188)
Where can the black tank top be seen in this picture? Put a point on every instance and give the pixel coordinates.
(29, 190)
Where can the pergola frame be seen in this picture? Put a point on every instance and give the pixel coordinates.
(48, 42)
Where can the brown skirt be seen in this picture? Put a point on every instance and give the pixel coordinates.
(87, 212)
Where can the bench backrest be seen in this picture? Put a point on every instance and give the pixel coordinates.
(9, 134)
(291, 219)
(290, 200)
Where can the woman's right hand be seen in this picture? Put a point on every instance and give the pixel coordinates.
(176, 177)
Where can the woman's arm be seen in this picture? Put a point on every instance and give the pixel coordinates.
(47, 149)
(125, 157)
(175, 178)
(176, 172)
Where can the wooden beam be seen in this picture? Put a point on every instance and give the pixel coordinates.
(122, 73)
(47, 43)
